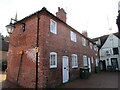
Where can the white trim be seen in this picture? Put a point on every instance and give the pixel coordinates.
(91, 45)
(75, 61)
(85, 63)
(83, 41)
(65, 69)
(53, 66)
(95, 47)
(73, 36)
(53, 31)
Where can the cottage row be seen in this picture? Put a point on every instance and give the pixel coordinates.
(61, 50)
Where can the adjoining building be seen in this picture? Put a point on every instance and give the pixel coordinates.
(109, 50)
(61, 50)
(3, 52)
(118, 17)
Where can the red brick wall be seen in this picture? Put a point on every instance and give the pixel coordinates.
(60, 43)
(25, 41)
(48, 42)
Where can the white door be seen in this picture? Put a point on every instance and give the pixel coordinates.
(89, 64)
(65, 69)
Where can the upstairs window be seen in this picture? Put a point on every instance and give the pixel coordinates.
(83, 41)
(85, 61)
(90, 45)
(115, 51)
(74, 61)
(53, 60)
(23, 27)
(53, 26)
(73, 36)
(95, 47)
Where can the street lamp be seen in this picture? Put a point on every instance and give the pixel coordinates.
(10, 27)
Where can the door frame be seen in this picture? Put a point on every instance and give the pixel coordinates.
(116, 62)
(89, 64)
(65, 69)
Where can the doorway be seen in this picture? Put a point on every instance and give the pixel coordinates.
(114, 63)
(65, 69)
(89, 64)
(104, 65)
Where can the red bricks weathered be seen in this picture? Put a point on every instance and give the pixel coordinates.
(48, 42)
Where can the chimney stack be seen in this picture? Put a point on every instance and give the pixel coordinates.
(61, 14)
(84, 33)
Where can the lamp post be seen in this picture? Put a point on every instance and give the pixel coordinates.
(10, 27)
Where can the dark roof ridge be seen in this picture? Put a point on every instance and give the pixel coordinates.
(106, 35)
(44, 9)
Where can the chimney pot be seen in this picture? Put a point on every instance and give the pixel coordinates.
(61, 14)
(84, 33)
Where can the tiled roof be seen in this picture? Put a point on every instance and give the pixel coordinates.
(104, 38)
(45, 10)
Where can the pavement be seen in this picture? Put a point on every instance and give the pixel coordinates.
(99, 80)
(4, 83)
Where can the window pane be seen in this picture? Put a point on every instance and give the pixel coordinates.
(83, 41)
(73, 36)
(115, 51)
(91, 45)
(74, 61)
(53, 60)
(53, 26)
(84, 61)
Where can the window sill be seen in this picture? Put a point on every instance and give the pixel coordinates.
(53, 33)
(75, 67)
(73, 41)
(53, 67)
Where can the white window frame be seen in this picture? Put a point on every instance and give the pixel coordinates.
(95, 47)
(85, 63)
(73, 36)
(91, 46)
(53, 66)
(74, 60)
(55, 28)
(83, 41)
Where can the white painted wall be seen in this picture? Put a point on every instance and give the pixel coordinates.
(111, 42)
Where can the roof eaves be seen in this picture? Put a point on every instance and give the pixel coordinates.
(44, 9)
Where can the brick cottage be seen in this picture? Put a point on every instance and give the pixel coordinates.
(62, 50)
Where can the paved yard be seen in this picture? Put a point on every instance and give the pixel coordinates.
(100, 80)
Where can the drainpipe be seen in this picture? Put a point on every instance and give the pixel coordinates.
(36, 48)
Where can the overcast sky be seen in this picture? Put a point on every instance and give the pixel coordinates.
(95, 16)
